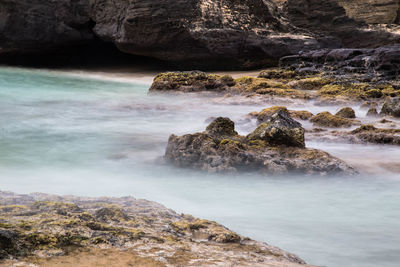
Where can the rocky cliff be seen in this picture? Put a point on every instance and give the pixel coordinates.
(377, 11)
(193, 33)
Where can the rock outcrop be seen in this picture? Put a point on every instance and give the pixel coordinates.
(199, 32)
(275, 147)
(374, 12)
(44, 226)
(364, 64)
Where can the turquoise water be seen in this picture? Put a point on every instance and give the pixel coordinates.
(67, 134)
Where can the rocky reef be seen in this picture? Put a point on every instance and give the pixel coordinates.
(36, 228)
(276, 146)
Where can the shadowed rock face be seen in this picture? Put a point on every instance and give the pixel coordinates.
(31, 25)
(218, 33)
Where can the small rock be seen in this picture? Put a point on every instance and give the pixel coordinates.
(372, 113)
(391, 107)
(346, 112)
(326, 119)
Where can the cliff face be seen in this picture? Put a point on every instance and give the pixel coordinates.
(227, 32)
(374, 12)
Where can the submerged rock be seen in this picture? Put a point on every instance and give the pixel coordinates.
(275, 147)
(391, 107)
(372, 112)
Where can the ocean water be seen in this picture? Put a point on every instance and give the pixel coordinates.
(67, 134)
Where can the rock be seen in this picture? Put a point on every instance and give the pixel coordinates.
(391, 107)
(119, 225)
(275, 148)
(370, 134)
(326, 119)
(328, 20)
(372, 113)
(300, 114)
(375, 12)
(374, 64)
(279, 129)
(194, 81)
(346, 112)
(39, 25)
(277, 74)
(213, 34)
(265, 114)
(221, 127)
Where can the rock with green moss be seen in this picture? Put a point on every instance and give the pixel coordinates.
(144, 227)
(193, 81)
(275, 147)
(279, 129)
(371, 134)
(347, 113)
(326, 119)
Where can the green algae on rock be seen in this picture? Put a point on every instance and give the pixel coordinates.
(144, 227)
(347, 113)
(326, 119)
(275, 147)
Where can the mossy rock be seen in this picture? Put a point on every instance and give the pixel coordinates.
(300, 114)
(346, 112)
(326, 119)
(221, 127)
(313, 83)
(265, 114)
(277, 74)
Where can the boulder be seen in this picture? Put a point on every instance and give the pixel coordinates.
(279, 129)
(371, 134)
(346, 112)
(391, 107)
(269, 150)
(372, 112)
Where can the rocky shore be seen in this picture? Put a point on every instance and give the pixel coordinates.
(41, 230)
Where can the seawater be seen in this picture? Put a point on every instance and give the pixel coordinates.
(67, 134)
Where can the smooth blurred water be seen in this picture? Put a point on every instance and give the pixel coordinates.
(65, 134)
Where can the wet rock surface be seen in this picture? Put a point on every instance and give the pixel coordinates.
(391, 107)
(377, 64)
(37, 226)
(275, 147)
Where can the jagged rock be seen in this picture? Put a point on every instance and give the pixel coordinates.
(269, 149)
(326, 119)
(279, 129)
(364, 64)
(347, 113)
(391, 107)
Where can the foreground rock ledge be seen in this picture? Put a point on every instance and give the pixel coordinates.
(275, 147)
(36, 228)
